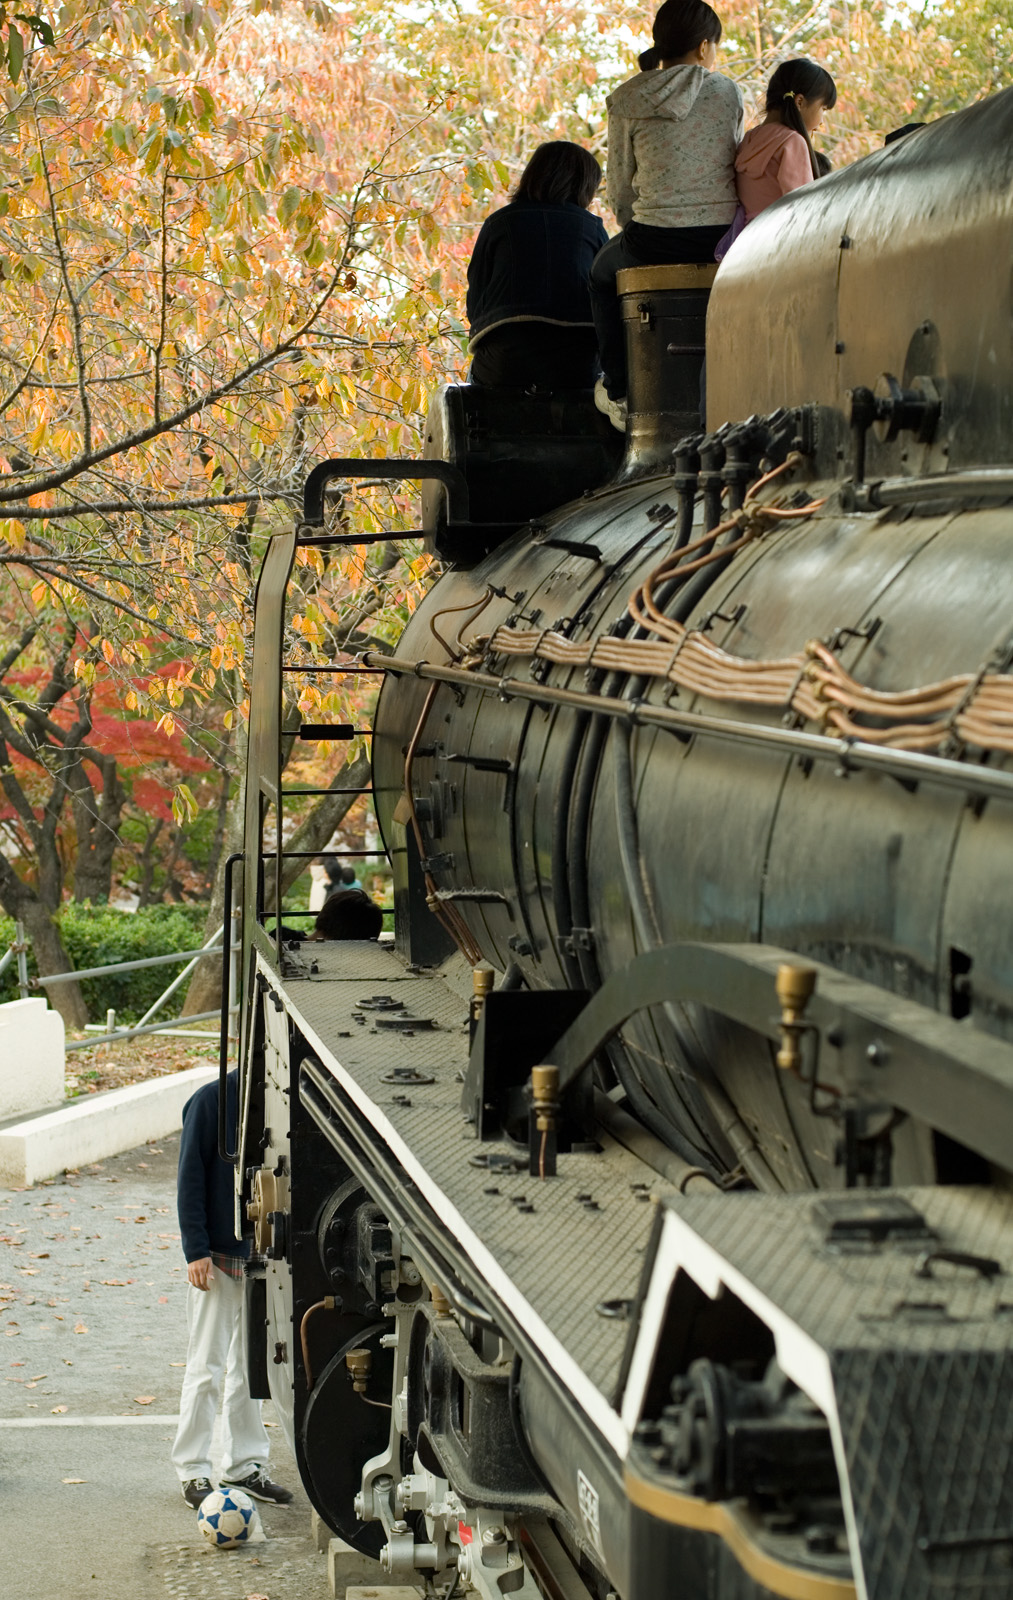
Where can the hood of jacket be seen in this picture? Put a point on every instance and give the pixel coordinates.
(759, 147)
(671, 93)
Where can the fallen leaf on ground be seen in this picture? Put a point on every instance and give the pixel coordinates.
(144, 1399)
(116, 1283)
(163, 1299)
(171, 1363)
(73, 1480)
(57, 1411)
(40, 1255)
(79, 1327)
(39, 1377)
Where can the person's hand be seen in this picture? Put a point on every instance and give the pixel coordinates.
(199, 1272)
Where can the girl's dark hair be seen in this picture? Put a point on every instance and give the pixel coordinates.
(681, 25)
(812, 82)
(559, 173)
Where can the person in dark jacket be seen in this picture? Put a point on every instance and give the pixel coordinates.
(528, 301)
(348, 914)
(214, 1267)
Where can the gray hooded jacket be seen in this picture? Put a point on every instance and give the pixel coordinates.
(671, 148)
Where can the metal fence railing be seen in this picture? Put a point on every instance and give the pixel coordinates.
(26, 985)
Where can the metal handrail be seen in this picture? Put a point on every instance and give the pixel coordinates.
(232, 1156)
(398, 470)
(131, 1033)
(118, 966)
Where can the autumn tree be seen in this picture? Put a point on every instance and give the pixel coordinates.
(235, 241)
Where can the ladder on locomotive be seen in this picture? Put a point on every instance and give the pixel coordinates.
(279, 564)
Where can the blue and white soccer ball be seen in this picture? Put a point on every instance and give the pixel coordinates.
(225, 1518)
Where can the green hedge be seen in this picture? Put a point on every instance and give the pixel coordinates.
(99, 936)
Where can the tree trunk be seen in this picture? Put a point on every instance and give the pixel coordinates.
(50, 956)
(23, 904)
(205, 991)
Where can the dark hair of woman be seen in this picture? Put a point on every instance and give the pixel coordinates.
(558, 174)
(812, 82)
(680, 26)
(349, 914)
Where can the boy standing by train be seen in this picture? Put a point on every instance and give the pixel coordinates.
(214, 1312)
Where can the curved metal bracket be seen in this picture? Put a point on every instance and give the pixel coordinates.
(874, 1047)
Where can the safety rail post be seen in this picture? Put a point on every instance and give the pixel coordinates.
(21, 951)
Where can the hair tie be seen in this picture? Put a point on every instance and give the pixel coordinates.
(789, 94)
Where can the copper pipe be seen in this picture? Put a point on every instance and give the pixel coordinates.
(326, 1304)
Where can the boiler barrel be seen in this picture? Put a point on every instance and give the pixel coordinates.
(525, 807)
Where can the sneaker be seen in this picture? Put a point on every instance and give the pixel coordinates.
(615, 410)
(195, 1490)
(259, 1485)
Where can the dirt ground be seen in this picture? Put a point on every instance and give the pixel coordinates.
(116, 1066)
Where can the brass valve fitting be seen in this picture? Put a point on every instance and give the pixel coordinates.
(545, 1097)
(794, 987)
(360, 1365)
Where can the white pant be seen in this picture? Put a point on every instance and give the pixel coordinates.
(215, 1349)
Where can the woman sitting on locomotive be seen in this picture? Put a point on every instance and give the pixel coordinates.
(778, 156)
(673, 133)
(528, 303)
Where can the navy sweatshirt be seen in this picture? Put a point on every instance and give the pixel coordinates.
(205, 1184)
(532, 260)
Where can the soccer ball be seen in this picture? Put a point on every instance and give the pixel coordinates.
(225, 1518)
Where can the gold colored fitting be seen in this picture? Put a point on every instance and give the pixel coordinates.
(545, 1096)
(441, 1305)
(794, 987)
(481, 981)
(360, 1365)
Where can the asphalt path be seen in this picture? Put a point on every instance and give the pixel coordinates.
(93, 1319)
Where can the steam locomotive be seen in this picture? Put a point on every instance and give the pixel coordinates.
(639, 1221)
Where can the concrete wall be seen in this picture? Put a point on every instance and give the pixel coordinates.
(31, 1057)
(100, 1125)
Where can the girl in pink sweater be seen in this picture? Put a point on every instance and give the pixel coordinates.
(778, 156)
